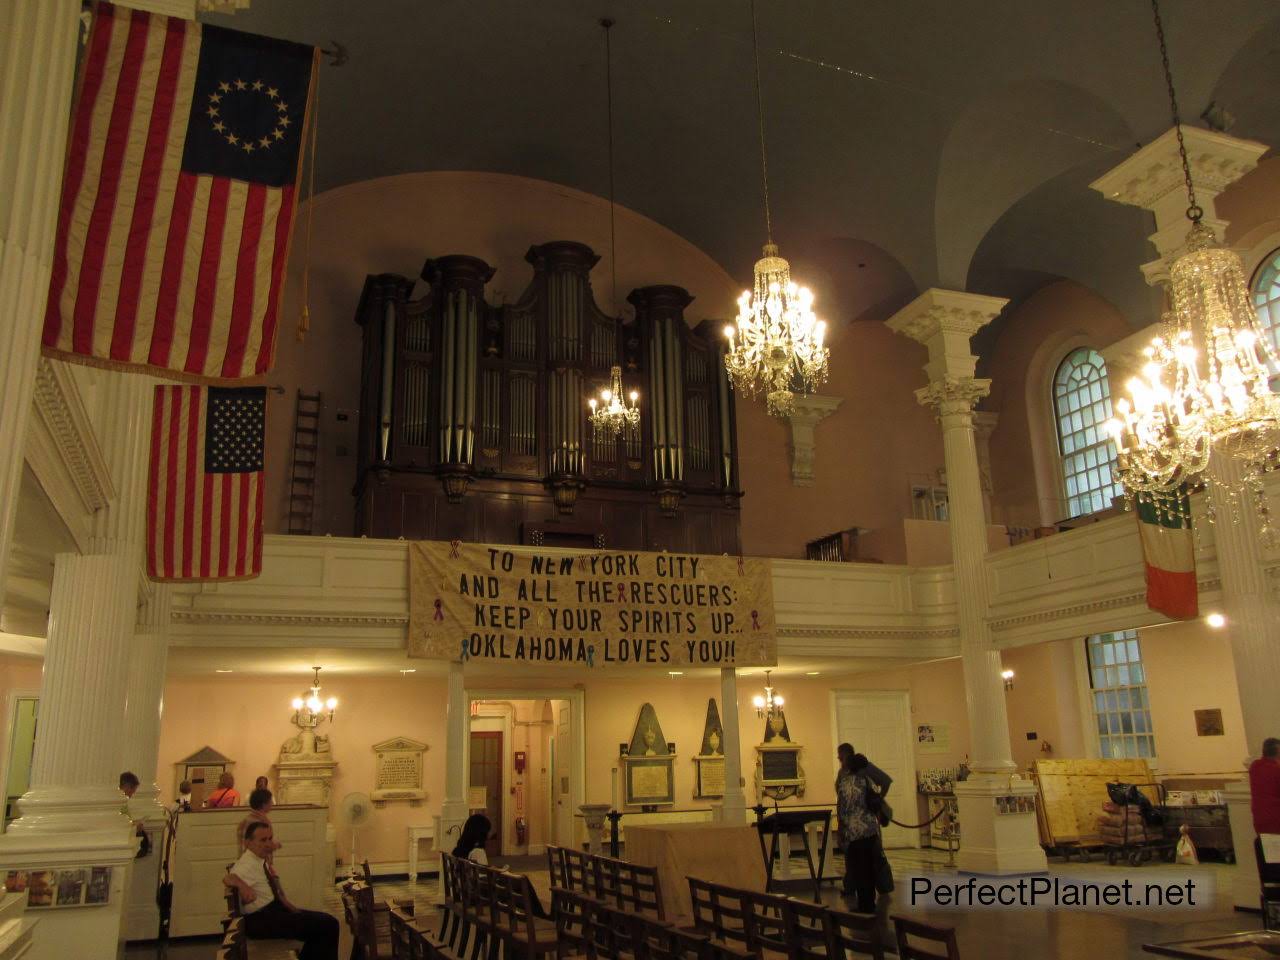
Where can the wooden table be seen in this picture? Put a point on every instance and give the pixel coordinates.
(1254, 945)
(716, 852)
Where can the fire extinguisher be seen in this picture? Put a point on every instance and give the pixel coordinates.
(522, 832)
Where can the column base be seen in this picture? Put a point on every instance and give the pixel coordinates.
(92, 933)
(142, 917)
(731, 809)
(992, 842)
(1246, 889)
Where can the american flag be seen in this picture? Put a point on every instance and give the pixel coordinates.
(178, 197)
(204, 512)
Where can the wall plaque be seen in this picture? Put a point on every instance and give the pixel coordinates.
(708, 765)
(398, 770)
(779, 774)
(649, 764)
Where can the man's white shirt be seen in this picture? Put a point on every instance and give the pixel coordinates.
(252, 869)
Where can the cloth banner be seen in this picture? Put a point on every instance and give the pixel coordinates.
(178, 197)
(1169, 555)
(594, 609)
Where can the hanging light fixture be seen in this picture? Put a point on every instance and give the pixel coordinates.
(1202, 409)
(776, 344)
(310, 711)
(610, 415)
(769, 705)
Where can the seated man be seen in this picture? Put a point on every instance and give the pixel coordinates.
(268, 914)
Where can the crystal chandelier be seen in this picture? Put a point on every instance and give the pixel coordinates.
(769, 705)
(1202, 410)
(609, 414)
(776, 343)
(310, 711)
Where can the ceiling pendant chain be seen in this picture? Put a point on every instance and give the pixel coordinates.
(1194, 211)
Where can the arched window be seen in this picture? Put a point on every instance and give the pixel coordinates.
(1082, 404)
(1266, 295)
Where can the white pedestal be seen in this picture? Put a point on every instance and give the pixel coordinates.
(994, 842)
(1246, 893)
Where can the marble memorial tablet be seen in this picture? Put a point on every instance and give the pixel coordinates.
(398, 770)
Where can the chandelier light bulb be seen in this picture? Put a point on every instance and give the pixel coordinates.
(778, 701)
(297, 703)
(758, 702)
(331, 704)
(314, 704)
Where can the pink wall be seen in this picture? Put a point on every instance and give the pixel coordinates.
(1037, 336)
(1252, 203)
(393, 224)
(1190, 667)
(1044, 700)
(247, 718)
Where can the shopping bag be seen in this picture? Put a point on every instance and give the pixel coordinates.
(1186, 849)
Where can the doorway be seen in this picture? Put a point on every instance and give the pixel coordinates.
(486, 783)
(533, 793)
(878, 724)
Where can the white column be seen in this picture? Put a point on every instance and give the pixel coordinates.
(733, 806)
(37, 57)
(944, 321)
(454, 810)
(1152, 179)
(74, 813)
(144, 706)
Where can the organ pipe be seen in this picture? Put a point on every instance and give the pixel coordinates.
(388, 378)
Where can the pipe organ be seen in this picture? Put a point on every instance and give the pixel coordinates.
(474, 426)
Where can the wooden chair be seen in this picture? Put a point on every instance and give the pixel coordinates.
(574, 914)
(521, 934)
(475, 893)
(765, 925)
(423, 948)
(638, 889)
(655, 940)
(906, 928)
(555, 866)
(856, 934)
(579, 872)
(365, 930)
(720, 912)
(807, 931)
(401, 942)
(450, 906)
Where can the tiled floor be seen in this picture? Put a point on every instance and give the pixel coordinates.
(1101, 934)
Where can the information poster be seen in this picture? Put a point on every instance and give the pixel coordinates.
(933, 738)
(594, 609)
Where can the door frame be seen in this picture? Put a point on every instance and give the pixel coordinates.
(503, 774)
(577, 738)
(904, 696)
(6, 746)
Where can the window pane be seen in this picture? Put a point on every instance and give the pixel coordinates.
(1120, 702)
(1082, 401)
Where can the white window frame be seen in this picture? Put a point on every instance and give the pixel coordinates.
(1085, 685)
(1103, 446)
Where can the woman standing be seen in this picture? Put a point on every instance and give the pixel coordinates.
(858, 825)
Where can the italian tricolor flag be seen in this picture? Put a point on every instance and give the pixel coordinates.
(1168, 552)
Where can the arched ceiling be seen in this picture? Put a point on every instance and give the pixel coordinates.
(943, 134)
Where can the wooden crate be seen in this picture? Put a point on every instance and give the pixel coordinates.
(1072, 793)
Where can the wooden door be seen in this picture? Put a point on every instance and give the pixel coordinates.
(486, 771)
(562, 797)
(877, 724)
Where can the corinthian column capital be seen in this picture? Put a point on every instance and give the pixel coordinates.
(952, 396)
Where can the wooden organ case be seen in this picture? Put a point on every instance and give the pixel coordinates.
(474, 419)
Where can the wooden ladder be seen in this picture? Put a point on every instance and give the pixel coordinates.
(306, 444)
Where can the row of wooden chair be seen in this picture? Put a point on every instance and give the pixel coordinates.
(596, 930)
(628, 886)
(369, 918)
(486, 911)
(764, 925)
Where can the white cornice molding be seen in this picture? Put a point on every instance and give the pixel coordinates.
(1155, 171)
(808, 413)
(938, 311)
(58, 404)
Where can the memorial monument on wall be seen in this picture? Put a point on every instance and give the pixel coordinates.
(779, 774)
(397, 771)
(304, 770)
(648, 764)
(708, 765)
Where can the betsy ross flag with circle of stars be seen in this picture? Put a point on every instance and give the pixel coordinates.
(204, 509)
(178, 197)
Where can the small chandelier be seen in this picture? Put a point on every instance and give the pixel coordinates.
(310, 711)
(609, 414)
(1202, 410)
(776, 343)
(769, 705)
